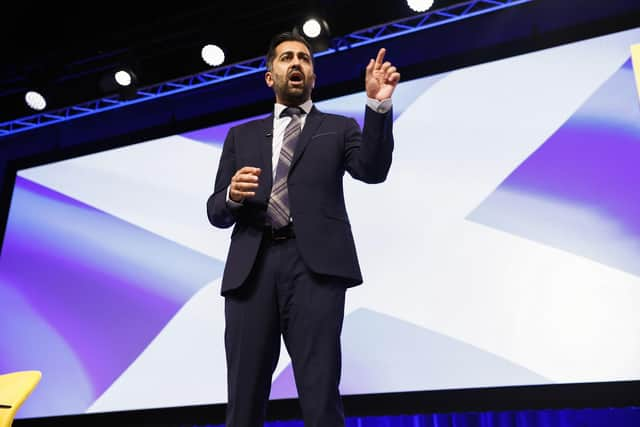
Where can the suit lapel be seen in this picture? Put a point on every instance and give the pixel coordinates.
(266, 149)
(311, 124)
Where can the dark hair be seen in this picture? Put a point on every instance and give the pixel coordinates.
(287, 36)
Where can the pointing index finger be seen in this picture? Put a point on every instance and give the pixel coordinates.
(380, 58)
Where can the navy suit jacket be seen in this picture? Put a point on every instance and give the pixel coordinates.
(329, 145)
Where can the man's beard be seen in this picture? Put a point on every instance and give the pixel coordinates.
(294, 96)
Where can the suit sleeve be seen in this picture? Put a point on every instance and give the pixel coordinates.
(218, 211)
(368, 153)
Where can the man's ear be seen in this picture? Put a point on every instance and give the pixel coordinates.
(268, 78)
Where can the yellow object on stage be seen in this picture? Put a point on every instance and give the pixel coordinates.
(635, 58)
(15, 387)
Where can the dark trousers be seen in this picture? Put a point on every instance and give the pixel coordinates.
(282, 296)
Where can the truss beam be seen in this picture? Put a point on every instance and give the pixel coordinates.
(430, 19)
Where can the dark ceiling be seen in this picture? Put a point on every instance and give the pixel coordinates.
(67, 47)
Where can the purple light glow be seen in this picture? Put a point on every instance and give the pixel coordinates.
(102, 285)
(582, 182)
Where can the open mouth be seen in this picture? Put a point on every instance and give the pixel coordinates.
(296, 77)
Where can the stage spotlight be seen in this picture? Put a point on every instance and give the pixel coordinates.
(123, 78)
(420, 5)
(317, 33)
(35, 100)
(311, 28)
(212, 55)
(122, 81)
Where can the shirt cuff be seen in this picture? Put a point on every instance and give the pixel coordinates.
(381, 107)
(232, 203)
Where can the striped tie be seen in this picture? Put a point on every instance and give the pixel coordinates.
(278, 207)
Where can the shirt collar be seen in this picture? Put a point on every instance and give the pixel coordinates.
(306, 107)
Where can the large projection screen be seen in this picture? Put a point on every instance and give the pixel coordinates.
(503, 249)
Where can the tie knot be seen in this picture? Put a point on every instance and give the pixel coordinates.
(291, 111)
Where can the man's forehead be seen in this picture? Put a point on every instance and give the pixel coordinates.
(292, 46)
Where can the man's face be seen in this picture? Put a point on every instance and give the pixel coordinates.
(291, 76)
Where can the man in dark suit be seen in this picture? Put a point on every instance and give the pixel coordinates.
(292, 253)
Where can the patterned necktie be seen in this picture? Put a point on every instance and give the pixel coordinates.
(278, 207)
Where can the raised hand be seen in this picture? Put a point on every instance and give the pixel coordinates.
(381, 77)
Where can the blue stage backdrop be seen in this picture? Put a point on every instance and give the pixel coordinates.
(620, 417)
